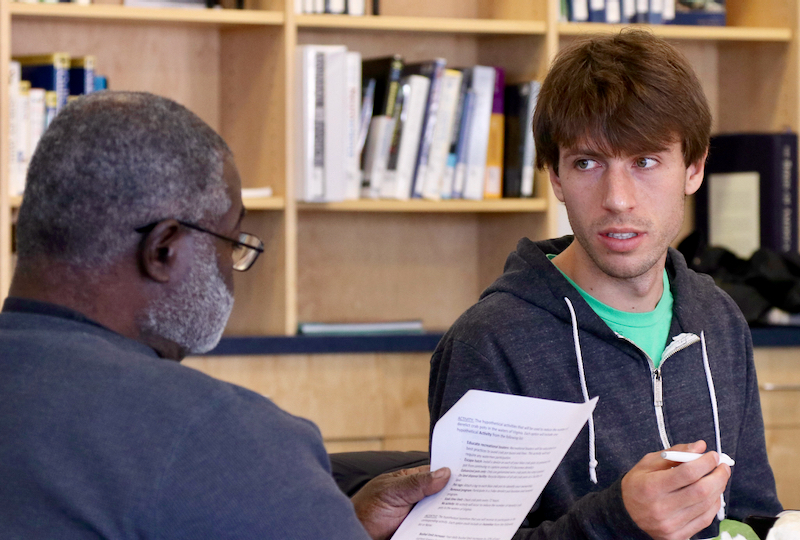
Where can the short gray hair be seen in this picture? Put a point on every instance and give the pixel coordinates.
(114, 161)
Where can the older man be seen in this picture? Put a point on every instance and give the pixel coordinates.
(127, 240)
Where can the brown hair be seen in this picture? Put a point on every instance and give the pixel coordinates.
(626, 94)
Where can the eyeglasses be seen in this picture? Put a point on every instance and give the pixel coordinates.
(245, 250)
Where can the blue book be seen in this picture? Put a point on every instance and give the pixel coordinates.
(461, 149)
(81, 75)
(711, 13)
(48, 71)
(597, 11)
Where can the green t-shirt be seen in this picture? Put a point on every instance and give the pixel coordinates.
(649, 330)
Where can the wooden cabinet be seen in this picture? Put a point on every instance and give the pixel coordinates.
(372, 260)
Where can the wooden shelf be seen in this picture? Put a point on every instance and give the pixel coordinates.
(134, 14)
(669, 31)
(419, 205)
(264, 203)
(423, 24)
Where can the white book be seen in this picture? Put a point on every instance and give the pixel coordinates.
(353, 165)
(642, 10)
(356, 7)
(308, 6)
(669, 10)
(397, 184)
(579, 11)
(309, 158)
(529, 148)
(318, 6)
(483, 86)
(36, 117)
(440, 146)
(628, 10)
(336, 7)
(613, 12)
(14, 77)
(335, 121)
(376, 152)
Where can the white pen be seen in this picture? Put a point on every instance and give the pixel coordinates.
(683, 457)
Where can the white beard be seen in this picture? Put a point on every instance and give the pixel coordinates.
(194, 315)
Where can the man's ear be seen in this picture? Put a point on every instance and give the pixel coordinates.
(158, 250)
(555, 181)
(694, 174)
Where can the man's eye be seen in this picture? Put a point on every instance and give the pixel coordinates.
(585, 164)
(645, 163)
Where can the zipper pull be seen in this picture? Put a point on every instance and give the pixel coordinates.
(658, 397)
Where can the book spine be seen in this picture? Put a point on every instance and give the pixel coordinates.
(356, 7)
(597, 11)
(317, 188)
(642, 9)
(414, 113)
(448, 178)
(14, 79)
(460, 162)
(336, 154)
(579, 10)
(389, 174)
(628, 11)
(430, 118)
(437, 161)
(529, 148)
(37, 117)
(493, 178)
(483, 84)
(613, 12)
(788, 241)
(353, 96)
(515, 109)
(656, 12)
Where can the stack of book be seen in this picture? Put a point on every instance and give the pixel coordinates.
(692, 12)
(413, 130)
(336, 7)
(39, 86)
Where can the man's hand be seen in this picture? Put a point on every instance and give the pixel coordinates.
(671, 501)
(383, 503)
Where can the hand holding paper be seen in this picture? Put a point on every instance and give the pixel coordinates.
(502, 451)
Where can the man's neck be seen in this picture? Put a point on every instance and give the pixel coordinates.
(636, 295)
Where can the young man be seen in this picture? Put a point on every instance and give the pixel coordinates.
(127, 241)
(623, 126)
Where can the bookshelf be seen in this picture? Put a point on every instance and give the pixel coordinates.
(368, 260)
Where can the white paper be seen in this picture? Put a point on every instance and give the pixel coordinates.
(501, 451)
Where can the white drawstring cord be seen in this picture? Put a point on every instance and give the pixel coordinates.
(592, 450)
(713, 394)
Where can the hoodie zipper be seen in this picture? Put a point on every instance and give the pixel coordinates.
(678, 343)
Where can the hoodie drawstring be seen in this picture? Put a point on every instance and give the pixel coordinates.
(713, 395)
(592, 449)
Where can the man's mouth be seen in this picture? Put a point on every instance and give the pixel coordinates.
(622, 236)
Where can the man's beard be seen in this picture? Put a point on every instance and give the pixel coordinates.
(195, 313)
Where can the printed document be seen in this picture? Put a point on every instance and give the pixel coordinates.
(501, 451)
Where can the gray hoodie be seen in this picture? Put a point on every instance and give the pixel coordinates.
(532, 334)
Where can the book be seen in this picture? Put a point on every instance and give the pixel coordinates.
(433, 70)
(749, 197)
(36, 116)
(48, 71)
(483, 85)
(520, 149)
(459, 124)
(578, 10)
(655, 13)
(597, 11)
(50, 106)
(460, 162)
(708, 13)
(442, 135)
(352, 187)
(613, 12)
(397, 183)
(493, 176)
(81, 75)
(309, 117)
(336, 7)
(16, 152)
(628, 11)
(642, 11)
(385, 72)
(356, 7)
(363, 328)
(669, 11)
(322, 178)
